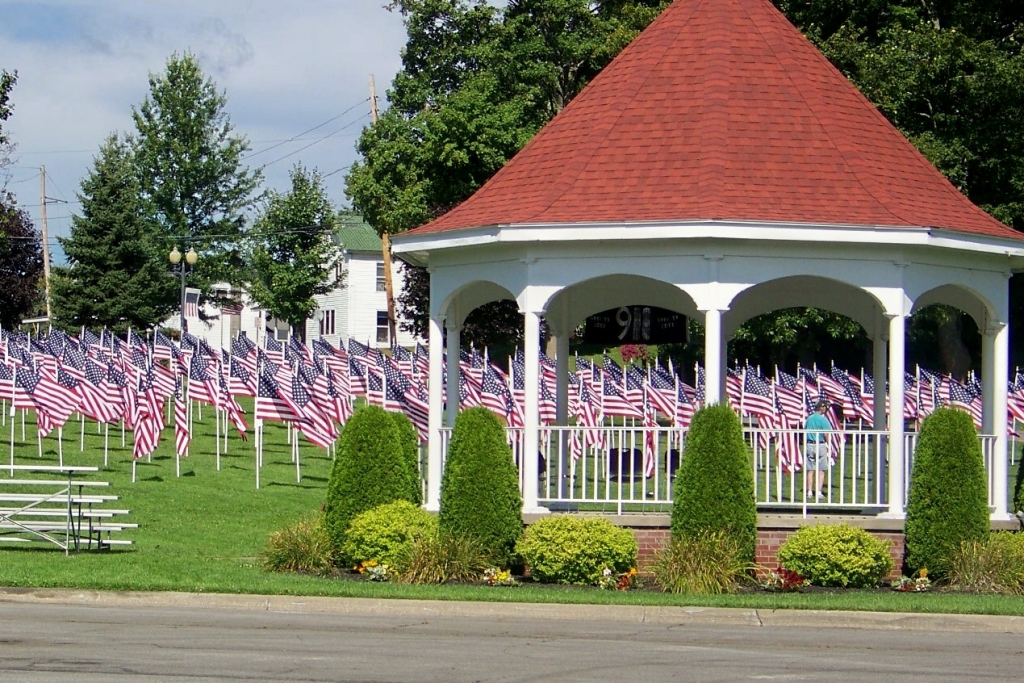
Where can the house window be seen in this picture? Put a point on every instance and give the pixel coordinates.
(381, 281)
(382, 327)
(327, 322)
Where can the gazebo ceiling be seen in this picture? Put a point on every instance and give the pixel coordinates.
(721, 110)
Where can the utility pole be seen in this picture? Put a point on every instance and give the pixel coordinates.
(46, 238)
(389, 290)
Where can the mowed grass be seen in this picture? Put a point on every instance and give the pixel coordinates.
(204, 532)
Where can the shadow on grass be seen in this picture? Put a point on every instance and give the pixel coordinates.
(292, 485)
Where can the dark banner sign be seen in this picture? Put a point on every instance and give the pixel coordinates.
(635, 325)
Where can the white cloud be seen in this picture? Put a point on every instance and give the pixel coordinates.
(286, 67)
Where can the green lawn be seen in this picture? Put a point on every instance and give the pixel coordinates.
(203, 532)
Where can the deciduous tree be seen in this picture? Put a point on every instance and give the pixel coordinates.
(194, 184)
(21, 263)
(292, 250)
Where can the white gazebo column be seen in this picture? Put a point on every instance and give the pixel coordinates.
(996, 345)
(713, 356)
(531, 409)
(897, 455)
(435, 452)
(452, 388)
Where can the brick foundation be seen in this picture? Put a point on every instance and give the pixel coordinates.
(652, 533)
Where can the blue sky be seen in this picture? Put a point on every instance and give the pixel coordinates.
(286, 67)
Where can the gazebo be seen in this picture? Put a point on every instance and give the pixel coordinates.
(720, 167)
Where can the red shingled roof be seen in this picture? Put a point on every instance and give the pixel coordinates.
(721, 109)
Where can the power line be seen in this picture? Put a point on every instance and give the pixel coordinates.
(297, 137)
(315, 142)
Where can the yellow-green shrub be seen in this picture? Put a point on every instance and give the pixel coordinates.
(836, 555)
(573, 549)
(386, 532)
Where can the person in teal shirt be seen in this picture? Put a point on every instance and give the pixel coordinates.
(816, 459)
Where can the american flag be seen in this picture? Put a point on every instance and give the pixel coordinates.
(89, 338)
(650, 447)
(497, 397)
(963, 397)
(613, 402)
(588, 418)
(340, 401)
(661, 390)
(547, 406)
(757, 396)
(202, 385)
(270, 405)
(34, 390)
(272, 345)
(191, 307)
(853, 406)
(149, 418)
(317, 426)
(241, 379)
(403, 393)
(163, 348)
(230, 405)
(734, 389)
(182, 433)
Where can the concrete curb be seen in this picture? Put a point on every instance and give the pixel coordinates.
(685, 616)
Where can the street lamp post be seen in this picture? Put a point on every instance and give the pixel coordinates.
(177, 266)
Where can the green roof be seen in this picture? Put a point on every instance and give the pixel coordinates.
(354, 234)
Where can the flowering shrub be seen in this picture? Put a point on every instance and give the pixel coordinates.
(499, 577)
(374, 570)
(783, 580)
(620, 582)
(632, 352)
(917, 584)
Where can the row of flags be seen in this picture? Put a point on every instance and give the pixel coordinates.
(313, 387)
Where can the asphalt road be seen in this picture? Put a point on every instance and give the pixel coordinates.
(86, 644)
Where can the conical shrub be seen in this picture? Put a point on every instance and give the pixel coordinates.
(480, 487)
(1018, 488)
(369, 470)
(410, 447)
(948, 499)
(714, 487)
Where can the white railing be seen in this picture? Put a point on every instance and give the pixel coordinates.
(631, 469)
(854, 474)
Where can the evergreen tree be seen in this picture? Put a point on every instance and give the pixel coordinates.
(189, 162)
(117, 274)
(21, 263)
(948, 499)
(292, 250)
(714, 487)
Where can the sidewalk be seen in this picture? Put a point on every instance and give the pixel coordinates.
(712, 616)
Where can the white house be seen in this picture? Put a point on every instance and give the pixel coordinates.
(357, 308)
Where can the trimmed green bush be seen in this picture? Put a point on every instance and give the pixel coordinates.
(480, 486)
(301, 547)
(369, 470)
(410, 442)
(948, 499)
(576, 550)
(714, 487)
(708, 564)
(837, 555)
(994, 565)
(386, 532)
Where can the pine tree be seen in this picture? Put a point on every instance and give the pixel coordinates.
(117, 275)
